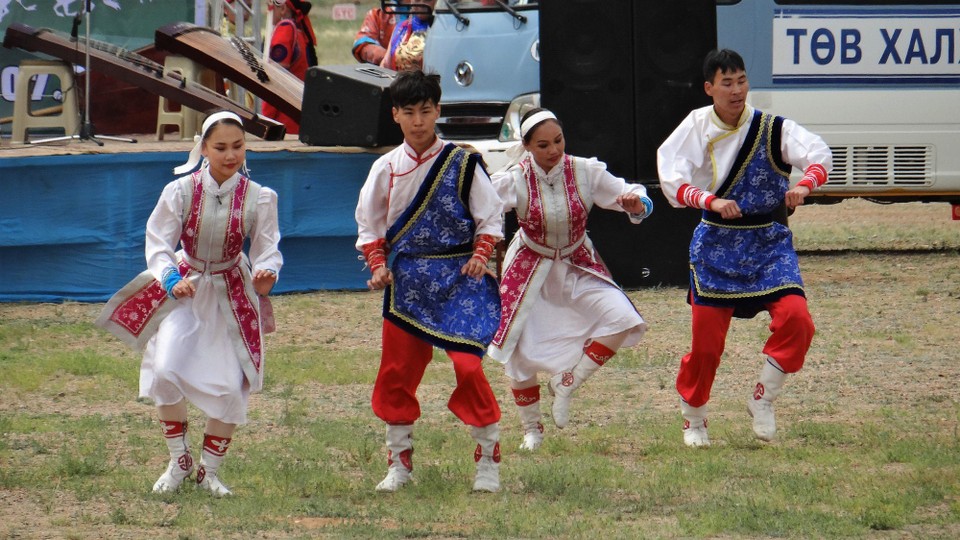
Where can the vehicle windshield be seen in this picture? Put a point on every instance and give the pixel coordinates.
(483, 5)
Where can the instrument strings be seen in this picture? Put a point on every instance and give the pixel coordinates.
(124, 54)
(250, 58)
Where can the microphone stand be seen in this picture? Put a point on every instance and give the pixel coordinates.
(87, 133)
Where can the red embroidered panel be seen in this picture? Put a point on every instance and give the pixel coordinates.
(135, 312)
(576, 210)
(513, 287)
(233, 243)
(534, 223)
(245, 315)
(192, 226)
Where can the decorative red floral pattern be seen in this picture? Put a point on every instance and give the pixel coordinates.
(134, 313)
(245, 315)
(190, 228)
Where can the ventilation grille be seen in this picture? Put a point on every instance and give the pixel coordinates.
(471, 120)
(856, 166)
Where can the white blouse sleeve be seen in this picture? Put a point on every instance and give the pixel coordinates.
(164, 227)
(505, 182)
(802, 148)
(371, 213)
(606, 187)
(485, 205)
(265, 238)
(679, 157)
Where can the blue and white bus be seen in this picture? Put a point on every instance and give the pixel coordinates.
(879, 81)
(488, 55)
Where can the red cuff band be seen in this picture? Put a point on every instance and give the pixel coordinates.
(526, 396)
(375, 253)
(710, 199)
(690, 197)
(814, 177)
(483, 246)
(599, 353)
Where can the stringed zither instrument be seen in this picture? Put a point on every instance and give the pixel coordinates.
(233, 58)
(139, 71)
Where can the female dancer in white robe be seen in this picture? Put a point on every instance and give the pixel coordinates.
(562, 313)
(197, 311)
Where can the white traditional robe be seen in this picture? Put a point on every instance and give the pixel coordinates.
(201, 348)
(556, 292)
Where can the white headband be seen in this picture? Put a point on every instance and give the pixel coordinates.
(195, 156)
(535, 119)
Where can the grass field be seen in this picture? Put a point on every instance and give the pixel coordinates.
(869, 445)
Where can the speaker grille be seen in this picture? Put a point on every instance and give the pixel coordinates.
(348, 105)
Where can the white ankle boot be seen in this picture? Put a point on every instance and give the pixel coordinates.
(530, 419)
(487, 456)
(180, 465)
(694, 425)
(564, 384)
(397, 476)
(214, 451)
(399, 458)
(208, 480)
(177, 471)
(760, 405)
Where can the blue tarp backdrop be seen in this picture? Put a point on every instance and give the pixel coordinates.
(72, 227)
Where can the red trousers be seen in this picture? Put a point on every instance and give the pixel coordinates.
(791, 330)
(402, 364)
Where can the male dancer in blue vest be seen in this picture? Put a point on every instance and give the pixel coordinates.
(734, 162)
(433, 206)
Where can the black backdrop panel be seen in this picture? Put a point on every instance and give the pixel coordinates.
(586, 77)
(671, 40)
(348, 106)
(651, 254)
(622, 74)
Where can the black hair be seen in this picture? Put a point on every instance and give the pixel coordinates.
(725, 60)
(528, 114)
(303, 5)
(413, 86)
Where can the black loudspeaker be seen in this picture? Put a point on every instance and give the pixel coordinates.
(348, 106)
(621, 74)
(670, 40)
(586, 77)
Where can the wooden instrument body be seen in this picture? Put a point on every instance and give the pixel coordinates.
(140, 72)
(235, 60)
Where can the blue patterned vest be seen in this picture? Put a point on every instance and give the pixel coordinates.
(431, 241)
(748, 262)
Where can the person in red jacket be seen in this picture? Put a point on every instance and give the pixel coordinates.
(293, 46)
